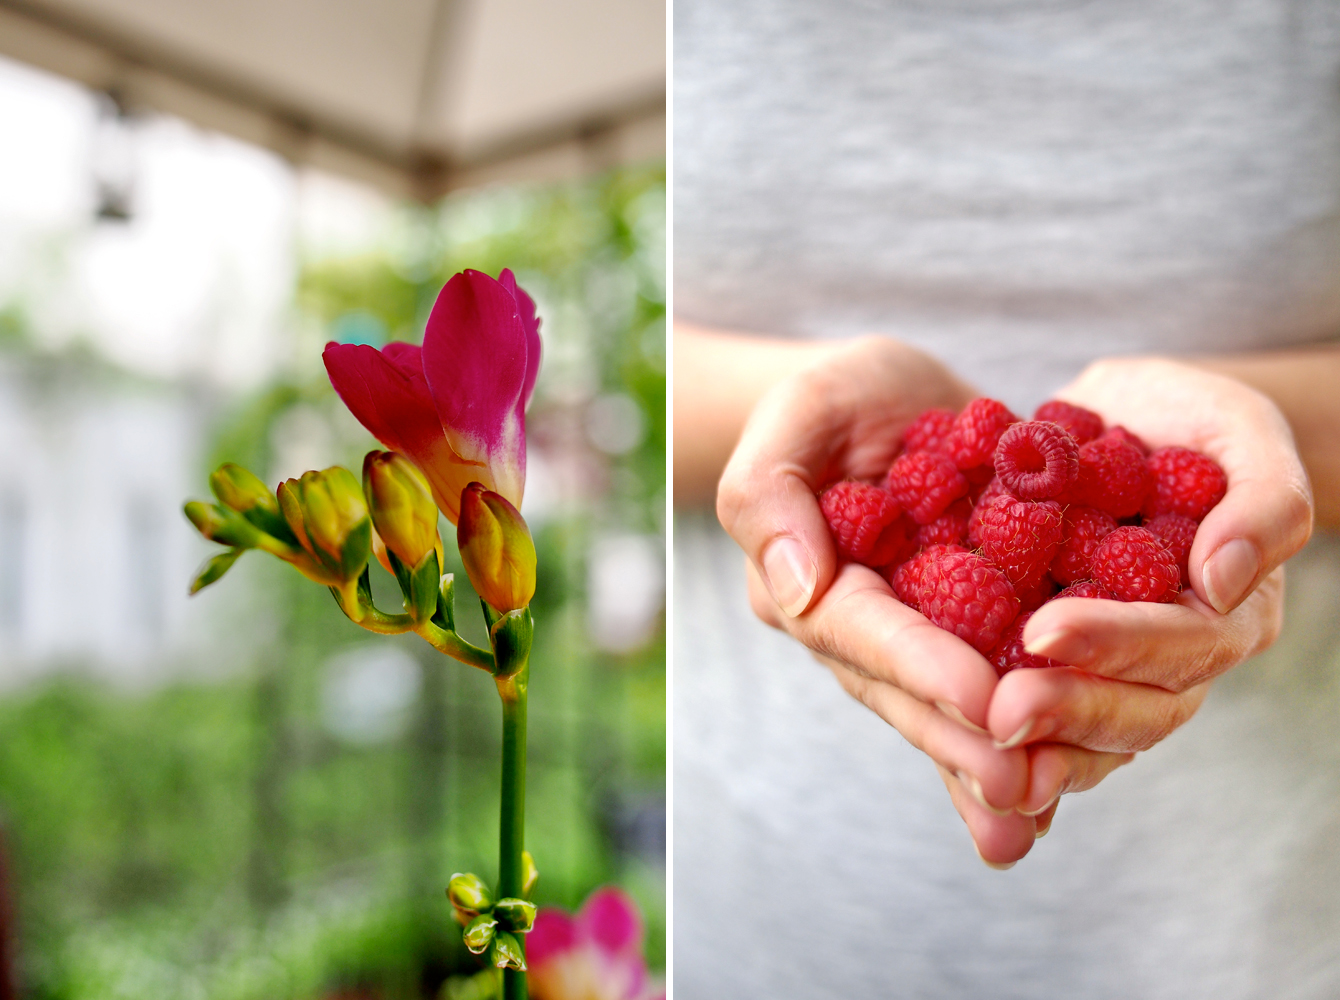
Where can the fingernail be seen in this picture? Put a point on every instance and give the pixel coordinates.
(1229, 572)
(791, 574)
(958, 716)
(1020, 735)
(974, 788)
(1000, 866)
(1062, 645)
(1043, 831)
(1039, 812)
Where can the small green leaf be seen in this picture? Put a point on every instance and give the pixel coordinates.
(480, 933)
(507, 952)
(445, 615)
(517, 915)
(511, 635)
(214, 568)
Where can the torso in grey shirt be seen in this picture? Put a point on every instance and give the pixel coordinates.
(1018, 187)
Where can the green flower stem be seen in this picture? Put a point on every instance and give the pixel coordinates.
(453, 645)
(362, 613)
(512, 823)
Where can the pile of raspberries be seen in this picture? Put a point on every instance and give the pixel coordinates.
(984, 517)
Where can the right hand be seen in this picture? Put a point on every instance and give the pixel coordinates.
(843, 418)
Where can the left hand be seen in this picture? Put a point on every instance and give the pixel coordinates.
(1142, 670)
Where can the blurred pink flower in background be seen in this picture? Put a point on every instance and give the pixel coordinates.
(596, 955)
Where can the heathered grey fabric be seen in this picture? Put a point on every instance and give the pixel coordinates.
(1017, 186)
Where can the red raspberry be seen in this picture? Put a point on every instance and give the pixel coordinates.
(989, 492)
(950, 528)
(865, 521)
(1085, 588)
(928, 431)
(976, 432)
(925, 483)
(1177, 533)
(1081, 530)
(1185, 482)
(1009, 654)
(906, 579)
(979, 475)
(1122, 434)
(1035, 597)
(1021, 537)
(1112, 477)
(1133, 565)
(963, 593)
(1036, 459)
(1083, 425)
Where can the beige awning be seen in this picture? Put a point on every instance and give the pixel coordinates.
(415, 96)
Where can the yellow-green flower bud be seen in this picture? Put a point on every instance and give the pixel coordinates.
(516, 915)
(529, 874)
(219, 524)
(479, 933)
(402, 506)
(468, 892)
(239, 489)
(507, 953)
(243, 492)
(497, 549)
(329, 517)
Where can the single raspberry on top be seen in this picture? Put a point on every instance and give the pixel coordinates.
(928, 431)
(1112, 476)
(1085, 588)
(1177, 533)
(1009, 654)
(989, 492)
(1036, 596)
(1036, 459)
(1082, 528)
(1185, 482)
(976, 432)
(950, 528)
(1133, 565)
(906, 578)
(866, 522)
(1083, 425)
(1122, 434)
(924, 483)
(1021, 537)
(963, 593)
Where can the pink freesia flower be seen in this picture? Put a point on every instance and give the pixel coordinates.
(596, 955)
(457, 406)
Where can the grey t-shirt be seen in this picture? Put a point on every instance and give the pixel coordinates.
(1017, 186)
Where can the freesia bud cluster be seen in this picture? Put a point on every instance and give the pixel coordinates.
(490, 926)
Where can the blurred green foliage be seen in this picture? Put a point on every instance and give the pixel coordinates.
(216, 839)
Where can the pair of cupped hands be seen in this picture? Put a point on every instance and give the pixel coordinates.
(1007, 748)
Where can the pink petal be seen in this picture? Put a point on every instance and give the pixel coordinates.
(407, 358)
(391, 399)
(526, 309)
(475, 360)
(609, 918)
(352, 368)
(554, 933)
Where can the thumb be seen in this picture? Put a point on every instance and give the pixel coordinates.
(1266, 513)
(766, 499)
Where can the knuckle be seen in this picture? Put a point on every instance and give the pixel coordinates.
(732, 498)
(1297, 513)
